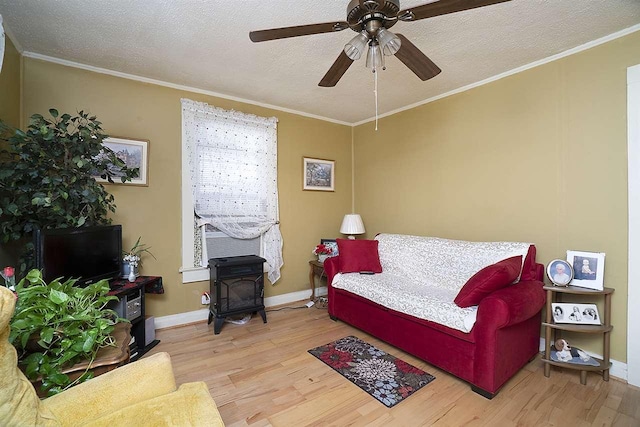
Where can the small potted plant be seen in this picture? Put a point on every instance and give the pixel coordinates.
(323, 252)
(132, 259)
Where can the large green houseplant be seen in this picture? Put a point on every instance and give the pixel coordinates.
(57, 325)
(47, 176)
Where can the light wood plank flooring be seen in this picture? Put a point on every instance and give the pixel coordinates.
(261, 375)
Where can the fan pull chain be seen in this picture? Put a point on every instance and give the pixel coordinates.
(375, 93)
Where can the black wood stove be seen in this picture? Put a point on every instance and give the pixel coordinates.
(236, 286)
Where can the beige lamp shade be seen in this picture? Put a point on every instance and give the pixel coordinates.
(352, 224)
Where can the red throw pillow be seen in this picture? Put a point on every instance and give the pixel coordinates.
(489, 279)
(358, 255)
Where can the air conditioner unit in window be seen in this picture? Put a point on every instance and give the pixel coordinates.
(219, 245)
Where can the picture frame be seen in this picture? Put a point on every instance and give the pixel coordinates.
(560, 272)
(318, 174)
(577, 314)
(588, 269)
(135, 154)
(331, 243)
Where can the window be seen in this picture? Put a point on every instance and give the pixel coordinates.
(229, 171)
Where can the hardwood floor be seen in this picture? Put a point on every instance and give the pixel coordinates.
(261, 375)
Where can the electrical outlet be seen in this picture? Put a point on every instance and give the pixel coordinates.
(205, 299)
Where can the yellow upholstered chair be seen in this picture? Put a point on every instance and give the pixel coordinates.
(142, 393)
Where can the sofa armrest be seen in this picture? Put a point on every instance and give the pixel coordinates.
(331, 268)
(136, 382)
(512, 304)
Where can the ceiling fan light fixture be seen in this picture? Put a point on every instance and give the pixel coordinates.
(390, 42)
(375, 59)
(356, 46)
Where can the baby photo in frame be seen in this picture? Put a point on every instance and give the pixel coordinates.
(579, 314)
(588, 269)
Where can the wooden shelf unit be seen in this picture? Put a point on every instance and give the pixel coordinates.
(555, 294)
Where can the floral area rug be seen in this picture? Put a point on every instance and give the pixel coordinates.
(383, 376)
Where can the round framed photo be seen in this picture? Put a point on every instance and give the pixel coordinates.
(560, 272)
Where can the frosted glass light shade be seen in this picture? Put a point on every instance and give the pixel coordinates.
(375, 60)
(356, 46)
(352, 224)
(389, 42)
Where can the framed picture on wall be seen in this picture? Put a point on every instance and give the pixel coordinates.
(588, 269)
(134, 153)
(318, 174)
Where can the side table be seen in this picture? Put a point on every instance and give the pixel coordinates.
(316, 268)
(131, 306)
(556, 294)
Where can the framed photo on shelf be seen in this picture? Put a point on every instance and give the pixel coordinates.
(134, 153)
(579, 314)
(318, 174)
(330, 243)
(588, 269)
(559, 272)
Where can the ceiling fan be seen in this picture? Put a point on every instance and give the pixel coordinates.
(371, 19)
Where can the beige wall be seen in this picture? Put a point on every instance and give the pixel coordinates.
(10, 85)
(540, 156)
(136, 110)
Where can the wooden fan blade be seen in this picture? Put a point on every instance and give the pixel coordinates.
(300, 30)
(417, 61)
(443, 7)
(336, 71)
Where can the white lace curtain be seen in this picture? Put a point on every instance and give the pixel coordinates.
(233, 162)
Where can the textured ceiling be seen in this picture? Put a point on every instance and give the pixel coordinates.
(204, 44)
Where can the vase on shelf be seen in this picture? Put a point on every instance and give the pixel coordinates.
(322, 257)
(129, 271)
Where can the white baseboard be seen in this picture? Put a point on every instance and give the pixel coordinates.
(201, 315)
(618, 369)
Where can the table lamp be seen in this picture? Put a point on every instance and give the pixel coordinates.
(352, 224)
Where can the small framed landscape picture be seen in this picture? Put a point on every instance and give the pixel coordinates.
(588, 269)
(134, 153)
(560, 272)
(580, 314)
(318, 174)
(331, 243)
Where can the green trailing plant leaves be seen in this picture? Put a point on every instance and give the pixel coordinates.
(69, 324)
(58, 297)
(46, 335)
(88, 344)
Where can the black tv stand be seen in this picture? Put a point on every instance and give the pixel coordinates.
(131, 306)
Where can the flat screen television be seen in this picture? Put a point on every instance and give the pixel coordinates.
(88, 254)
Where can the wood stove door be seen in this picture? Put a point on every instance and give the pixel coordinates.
(239, 295)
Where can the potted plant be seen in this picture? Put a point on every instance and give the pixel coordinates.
(323, 251)
(57, 325)
(47, 177)
(132, 259)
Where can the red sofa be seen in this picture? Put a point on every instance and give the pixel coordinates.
(505, 337)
